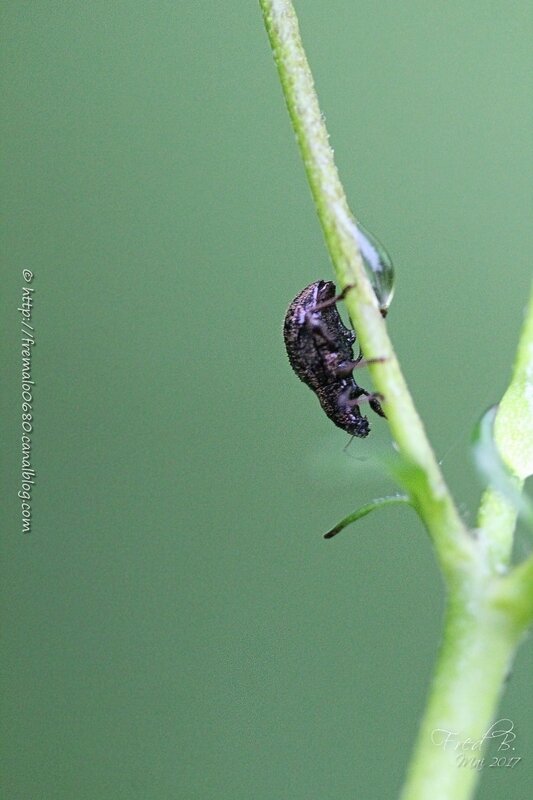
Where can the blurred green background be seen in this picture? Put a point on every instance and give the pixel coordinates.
(175, 626)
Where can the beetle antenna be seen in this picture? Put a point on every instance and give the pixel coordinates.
(348, 443)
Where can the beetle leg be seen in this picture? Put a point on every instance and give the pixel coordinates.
(372, 398)
(363, 362)
(346, 367)
(317, 326)
(334, 300)
(375, 405)
(349, 397)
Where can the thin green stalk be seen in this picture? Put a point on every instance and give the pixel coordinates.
(514, 594)
(435, 505)
(486, 614)
(487, 618)
(477, 650)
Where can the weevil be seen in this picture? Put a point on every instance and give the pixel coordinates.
(320, 351)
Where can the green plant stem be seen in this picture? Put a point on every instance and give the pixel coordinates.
(435, 504)
(486, 617)
(514, 593)
(497, 519)
(485, 613)
(478, 646)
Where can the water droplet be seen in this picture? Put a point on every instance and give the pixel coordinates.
(378, 265)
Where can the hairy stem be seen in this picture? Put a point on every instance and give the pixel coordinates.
(435, 503)
(486, 614)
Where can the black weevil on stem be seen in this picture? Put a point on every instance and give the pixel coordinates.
(320, 351)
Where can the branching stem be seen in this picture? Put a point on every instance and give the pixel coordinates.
(486, 614)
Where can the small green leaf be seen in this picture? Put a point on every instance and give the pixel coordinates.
(511, 432)
(513, 427)
(364, 510)
(493, 469)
